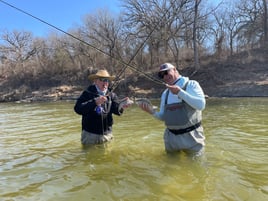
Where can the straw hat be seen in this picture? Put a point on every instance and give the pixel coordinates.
(101, 74)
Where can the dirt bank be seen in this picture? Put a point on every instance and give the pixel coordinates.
(244, 75)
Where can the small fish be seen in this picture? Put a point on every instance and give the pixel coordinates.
(125, 102)
(141, 101)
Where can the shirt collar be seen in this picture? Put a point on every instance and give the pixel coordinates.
(177, 80)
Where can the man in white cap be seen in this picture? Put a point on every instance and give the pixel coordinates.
(181, 109)
(97, 105)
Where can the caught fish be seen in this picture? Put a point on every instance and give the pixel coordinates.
(147, 102)
(125, 102)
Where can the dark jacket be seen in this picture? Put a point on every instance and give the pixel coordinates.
(91, 120)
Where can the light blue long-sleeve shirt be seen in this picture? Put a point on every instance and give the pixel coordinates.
(192, 95)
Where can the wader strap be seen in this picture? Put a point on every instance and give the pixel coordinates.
(184, 88)
(109, 103)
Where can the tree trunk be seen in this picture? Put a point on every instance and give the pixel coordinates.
(196, 55)
(265, 23)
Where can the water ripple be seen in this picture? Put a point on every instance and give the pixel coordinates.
(41, 157)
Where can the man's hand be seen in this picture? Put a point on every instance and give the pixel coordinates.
(146, 107)
(100, 100)
(173, 88)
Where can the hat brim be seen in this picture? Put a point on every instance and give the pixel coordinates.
(166, 69)
(94, 77)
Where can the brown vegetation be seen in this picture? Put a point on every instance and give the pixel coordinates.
(222, 47)
(242, 75)
(245, 74)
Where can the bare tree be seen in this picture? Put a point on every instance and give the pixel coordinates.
(231, 24)
(18, 50)
(219, 31)
(196, 55)
(265, 22)
(168, 22)
(43, 57)
(250, 22)
(142, 19)
(104, 32)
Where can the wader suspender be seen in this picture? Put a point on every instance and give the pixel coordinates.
(106, 111)
(184, 88)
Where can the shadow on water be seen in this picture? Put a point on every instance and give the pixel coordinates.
(41, 157)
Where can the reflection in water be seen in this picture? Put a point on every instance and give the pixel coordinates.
(41, 157)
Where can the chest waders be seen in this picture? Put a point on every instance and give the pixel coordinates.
(180, 117)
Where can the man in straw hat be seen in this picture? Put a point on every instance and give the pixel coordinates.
(181, 109)
(96, 105)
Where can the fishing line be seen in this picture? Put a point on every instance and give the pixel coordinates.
(117, 79)
(90, 45)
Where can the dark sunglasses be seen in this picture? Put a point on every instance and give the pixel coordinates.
(104, 79)
(162, 74)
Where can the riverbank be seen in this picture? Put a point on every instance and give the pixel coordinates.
(245, 75)
(214, 85)
(141, 87)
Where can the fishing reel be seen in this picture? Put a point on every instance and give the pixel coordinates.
(99, 110)
(104, 109)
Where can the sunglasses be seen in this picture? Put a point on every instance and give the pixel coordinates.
(104, 79)
(162, 74)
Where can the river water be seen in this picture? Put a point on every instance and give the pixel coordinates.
(41, 157)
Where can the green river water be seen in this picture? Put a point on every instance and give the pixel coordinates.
(41, 157)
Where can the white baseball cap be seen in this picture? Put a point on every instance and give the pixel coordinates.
(166, 66)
